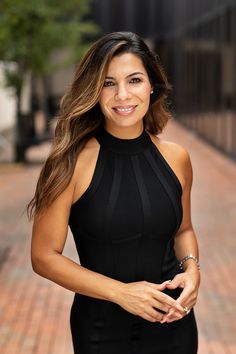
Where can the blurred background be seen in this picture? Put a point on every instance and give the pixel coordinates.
(41, 41)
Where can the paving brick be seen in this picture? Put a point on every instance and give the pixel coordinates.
(214, 211)
(34, 312)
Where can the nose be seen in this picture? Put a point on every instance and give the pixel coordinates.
(122, 92)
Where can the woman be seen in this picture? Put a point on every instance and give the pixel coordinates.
(125, 194)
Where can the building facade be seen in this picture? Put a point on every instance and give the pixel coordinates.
(198, 48)
(196, 41)
(140, 16)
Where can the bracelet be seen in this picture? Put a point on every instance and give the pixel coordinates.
(186, 258)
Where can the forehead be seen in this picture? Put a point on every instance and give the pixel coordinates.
(125, 64)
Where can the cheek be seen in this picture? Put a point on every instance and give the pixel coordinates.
(144, 95)
(104, 98)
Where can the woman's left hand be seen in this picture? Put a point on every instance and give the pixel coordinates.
(189, 281)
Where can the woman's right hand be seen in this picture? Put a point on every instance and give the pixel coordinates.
(144, 299)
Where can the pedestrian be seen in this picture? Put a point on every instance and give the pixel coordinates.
(125, 194)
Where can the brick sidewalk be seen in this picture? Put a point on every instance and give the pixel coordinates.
(34, 313)
(214, 219)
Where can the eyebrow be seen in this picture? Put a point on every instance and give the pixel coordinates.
(135, 73)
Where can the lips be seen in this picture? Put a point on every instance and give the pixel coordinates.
(124, 110)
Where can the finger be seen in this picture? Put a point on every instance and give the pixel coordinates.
(175, 313)
(169, 320)
(177, 282)
(187, 302)
(160, 306)
(166, 282)
(186, 296)
(159, 287)
(172, 316)
(154, 314)
(164, 299)
(149, 318)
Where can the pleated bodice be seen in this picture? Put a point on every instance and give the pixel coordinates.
(124, 223)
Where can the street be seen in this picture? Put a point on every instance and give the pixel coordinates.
(34, 313)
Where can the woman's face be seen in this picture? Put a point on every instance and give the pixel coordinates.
(125, 97)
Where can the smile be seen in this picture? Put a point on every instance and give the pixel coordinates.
(124, 110)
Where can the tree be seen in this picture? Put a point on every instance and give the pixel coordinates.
(30, 31)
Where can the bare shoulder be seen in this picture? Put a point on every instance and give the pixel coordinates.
(86, 156)
(172, 150)
(177, 157)
(84, 168)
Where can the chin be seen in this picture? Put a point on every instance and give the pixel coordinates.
(126, 123)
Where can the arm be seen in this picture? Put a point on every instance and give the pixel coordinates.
(50, 232)
(185, 239)
(186, 243)
(48, 240)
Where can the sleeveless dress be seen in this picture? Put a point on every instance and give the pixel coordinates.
(124, 226)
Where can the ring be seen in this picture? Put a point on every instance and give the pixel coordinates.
(187, 310)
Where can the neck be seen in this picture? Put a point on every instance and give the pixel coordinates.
(125, 132)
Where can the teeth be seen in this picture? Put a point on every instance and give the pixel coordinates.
(125, 109)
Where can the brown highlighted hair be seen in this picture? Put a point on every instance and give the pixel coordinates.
(80, 115)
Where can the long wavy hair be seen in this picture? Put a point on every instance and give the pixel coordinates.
(80, 115)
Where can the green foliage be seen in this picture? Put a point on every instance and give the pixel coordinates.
(32, 29)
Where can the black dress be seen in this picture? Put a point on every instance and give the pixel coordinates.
(123, 227)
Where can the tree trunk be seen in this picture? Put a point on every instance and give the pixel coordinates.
(20, 147)
(25, 130)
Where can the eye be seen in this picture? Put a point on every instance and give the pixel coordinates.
(108, 83)
(135, 80)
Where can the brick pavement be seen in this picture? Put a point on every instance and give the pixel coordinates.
(34, 313)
